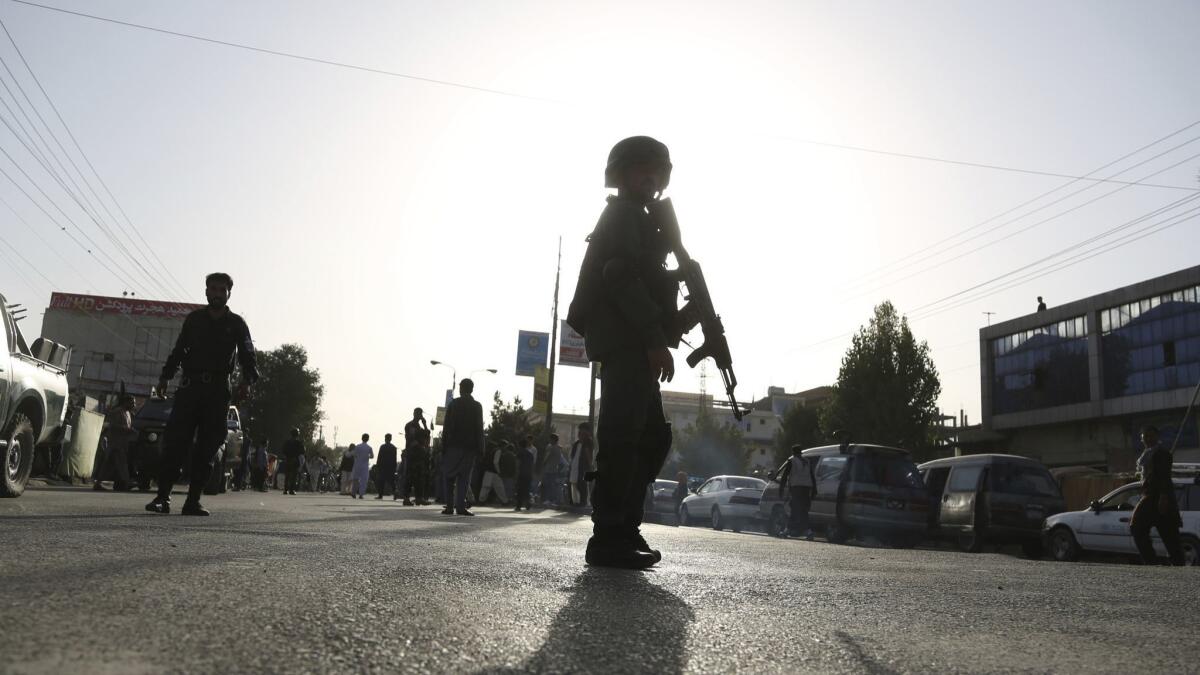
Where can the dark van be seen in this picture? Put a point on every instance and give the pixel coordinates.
(1001, 499)
(861, 489)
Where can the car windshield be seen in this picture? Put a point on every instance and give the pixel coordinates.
(752, 483)
(887, 472)
(1020, 479)
(155, 409)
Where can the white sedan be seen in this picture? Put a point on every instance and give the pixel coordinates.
(1104, 527)
(724, 501)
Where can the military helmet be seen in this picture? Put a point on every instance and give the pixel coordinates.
(636, 149)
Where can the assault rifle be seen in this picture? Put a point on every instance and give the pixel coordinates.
(699, 307)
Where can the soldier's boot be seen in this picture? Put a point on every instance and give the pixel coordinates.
(159, 505)
(617, 552)
(639, 542)
(192, 507)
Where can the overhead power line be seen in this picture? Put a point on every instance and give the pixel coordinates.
(542, 99)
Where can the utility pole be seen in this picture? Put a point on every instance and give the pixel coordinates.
(553, 346)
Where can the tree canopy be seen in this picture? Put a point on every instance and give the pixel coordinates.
(887, 387)
(287, 396)
(801, 426)
(708, 447)
(510, 422)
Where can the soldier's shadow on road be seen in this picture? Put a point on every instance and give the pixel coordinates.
(614, 621)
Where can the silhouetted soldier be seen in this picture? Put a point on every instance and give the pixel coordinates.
(625, 307)
(208, 343)
(1158, 507)
(462, 443)
(1041, 305)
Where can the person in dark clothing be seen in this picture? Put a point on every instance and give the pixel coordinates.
(1041, 304)
(293, 453)
(118, 435)
(526, 460)
(1158, 507)
(211, 341)
(385, 468)
(797, 478)
(416, 459)
(625, 307)
(462, 444)
(681, 492)
(259, 459)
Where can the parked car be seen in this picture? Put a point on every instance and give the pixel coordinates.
(1000, 499)
(150, 423)
(1104, 526)
(660, 497)
(861, 489)
(724, 501)
(33, 401)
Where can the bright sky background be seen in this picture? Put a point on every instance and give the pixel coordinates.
(382, 222)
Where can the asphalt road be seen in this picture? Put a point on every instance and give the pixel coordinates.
(89, 582)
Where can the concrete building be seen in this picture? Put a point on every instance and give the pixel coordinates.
(114, 340)
(1072, 385)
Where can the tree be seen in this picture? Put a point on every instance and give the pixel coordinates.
(887, 387)
(709, 448)
(287, 396)
(510, 422)
(801, 426)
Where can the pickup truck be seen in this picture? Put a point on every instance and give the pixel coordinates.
(33, 400)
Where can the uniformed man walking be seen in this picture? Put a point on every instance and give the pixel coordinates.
(385, 469)
(625, 306)
(211, 339)
(1158, 508)
(462, 444)
(293, 454)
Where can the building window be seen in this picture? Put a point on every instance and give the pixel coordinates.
(1041, 367)
(1152, 344)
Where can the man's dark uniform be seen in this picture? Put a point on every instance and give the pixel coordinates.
(206, 350)
(292, 450)
(1155, 464)
(385, 470)
(625, 304)
(416, 463)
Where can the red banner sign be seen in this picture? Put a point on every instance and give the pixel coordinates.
(128, 306)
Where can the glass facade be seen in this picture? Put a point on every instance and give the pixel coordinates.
(1152, 344)
(1041, 367)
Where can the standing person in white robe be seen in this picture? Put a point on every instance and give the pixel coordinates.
(363, 454)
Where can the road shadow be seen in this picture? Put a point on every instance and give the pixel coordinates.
(614, 621)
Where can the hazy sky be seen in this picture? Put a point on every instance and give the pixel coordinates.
(382, 221)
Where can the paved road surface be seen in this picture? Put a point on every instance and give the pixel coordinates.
(321, 583)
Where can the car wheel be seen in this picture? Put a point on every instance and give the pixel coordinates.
(1191, 550)
(970, 542)
(837, 533)
(685, 518)
(718, 523)
(18, 456)
(1032, 549)
(1063, 546)
(777, 524)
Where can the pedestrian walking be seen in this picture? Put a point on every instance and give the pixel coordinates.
(347, 470)
(625, 307)
(492, 482)
(416, 459)
(118, 435)
(208, 343)
(681, 492)
(462, 443)
(552, 469)
(242, 473)
(581, 464)
(363, 454)
(259, 461)
(508, 468)
(1158, 508)
(293, 454)
(385, 469)
(526, 460)
(798, 477)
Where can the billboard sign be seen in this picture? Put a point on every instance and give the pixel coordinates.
(532, 350)
(571, 351)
